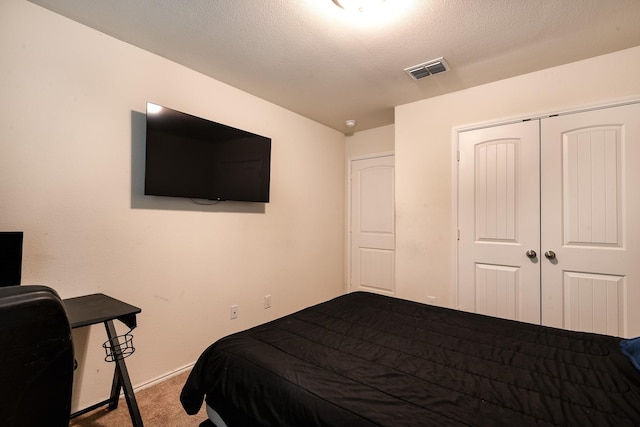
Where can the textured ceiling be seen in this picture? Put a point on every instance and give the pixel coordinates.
(324, 63)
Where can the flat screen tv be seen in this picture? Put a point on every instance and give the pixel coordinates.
(10, 258)
(188, 156)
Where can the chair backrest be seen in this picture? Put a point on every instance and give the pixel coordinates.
(36, 358)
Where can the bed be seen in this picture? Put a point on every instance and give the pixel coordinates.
(364, 359)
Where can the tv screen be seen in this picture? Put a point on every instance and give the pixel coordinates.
(10, 258)
(188, 156)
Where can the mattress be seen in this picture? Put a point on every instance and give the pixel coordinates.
(369, 360)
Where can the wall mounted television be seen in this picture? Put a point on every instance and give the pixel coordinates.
(188, 156)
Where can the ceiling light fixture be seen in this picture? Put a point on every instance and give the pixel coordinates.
(358, 5)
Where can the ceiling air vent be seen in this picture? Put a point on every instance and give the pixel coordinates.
(428, 68)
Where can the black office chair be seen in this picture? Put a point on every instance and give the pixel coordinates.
(36, 358)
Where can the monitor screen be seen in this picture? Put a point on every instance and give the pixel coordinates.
(10, 258)
(188, 156)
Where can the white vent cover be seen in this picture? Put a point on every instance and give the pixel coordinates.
(428, 68)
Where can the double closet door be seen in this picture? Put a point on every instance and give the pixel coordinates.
(549, 221)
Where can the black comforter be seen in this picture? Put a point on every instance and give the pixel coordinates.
(368, 360)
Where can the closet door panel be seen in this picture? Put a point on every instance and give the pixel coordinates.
(590, 220)
(593, 302)
(498, 218)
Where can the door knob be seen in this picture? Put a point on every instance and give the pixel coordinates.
(550, 255)
(531, 253)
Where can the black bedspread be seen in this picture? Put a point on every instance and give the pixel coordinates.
(368, 360)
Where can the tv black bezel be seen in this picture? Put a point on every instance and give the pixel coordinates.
(192, 128)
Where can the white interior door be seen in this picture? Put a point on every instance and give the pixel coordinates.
(499, 222)
(590, 219)
(372, 225)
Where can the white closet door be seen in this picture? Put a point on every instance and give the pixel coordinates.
(499, 221)
(590, 216)
(372, 251)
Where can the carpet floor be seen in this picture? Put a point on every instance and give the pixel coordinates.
(159, 407)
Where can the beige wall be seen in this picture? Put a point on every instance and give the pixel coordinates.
(423, 145)
(371, 141)
(71, 177)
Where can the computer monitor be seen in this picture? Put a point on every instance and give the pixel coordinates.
(10, 258)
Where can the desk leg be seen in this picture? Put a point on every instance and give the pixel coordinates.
(116, 386)
(121, 379)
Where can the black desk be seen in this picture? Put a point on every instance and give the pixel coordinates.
(99, 308)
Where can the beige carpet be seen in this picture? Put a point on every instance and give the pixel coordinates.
(159, 407)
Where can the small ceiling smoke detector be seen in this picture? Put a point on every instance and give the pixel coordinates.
(350, 123)
(428, 68)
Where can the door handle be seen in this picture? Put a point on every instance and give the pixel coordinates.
(531, 253)
(550, 255)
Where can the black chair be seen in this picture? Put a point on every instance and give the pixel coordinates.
(36, 358)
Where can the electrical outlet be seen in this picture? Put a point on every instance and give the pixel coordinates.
(234, 312)
(267, 301)
(432, 300)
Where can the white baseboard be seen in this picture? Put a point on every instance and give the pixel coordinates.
(163, 377)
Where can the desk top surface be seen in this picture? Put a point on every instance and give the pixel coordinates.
(97, 308)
